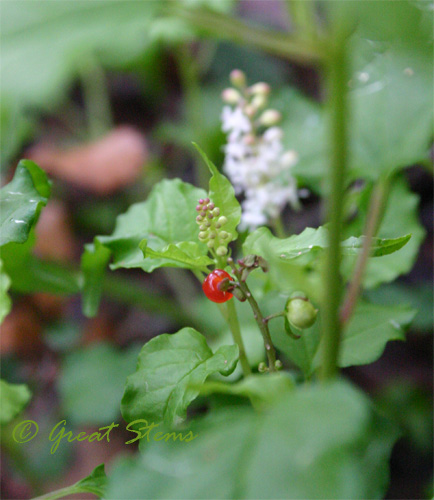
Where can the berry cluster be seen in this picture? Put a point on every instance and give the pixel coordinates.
(210, 224)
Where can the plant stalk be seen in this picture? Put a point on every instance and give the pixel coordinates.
(375, 213)
(259, 318)
(230, 315)
(332, 280)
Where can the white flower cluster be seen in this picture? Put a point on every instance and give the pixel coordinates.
(255, 160)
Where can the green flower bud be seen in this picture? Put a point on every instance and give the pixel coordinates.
(210, 243)
(203, 227)
(222, 220)
(221, 251)
(300, 313)
(212, 235)
(216, 211)
(202, 235)
(262, 367)
(223, 235)
(278, 364)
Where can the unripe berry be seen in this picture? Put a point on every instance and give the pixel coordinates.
(300, 313)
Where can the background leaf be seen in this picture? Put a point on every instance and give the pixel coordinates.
(318, 442)
(92, 382)
(14, 398)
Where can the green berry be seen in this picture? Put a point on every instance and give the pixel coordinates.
(300, 313)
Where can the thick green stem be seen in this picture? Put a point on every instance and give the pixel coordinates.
(375, 213)
(332, 280)
(230, 314)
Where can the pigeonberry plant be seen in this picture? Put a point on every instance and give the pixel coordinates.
(261, 391)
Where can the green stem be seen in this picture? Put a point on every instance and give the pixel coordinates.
(302, 15)
(332, 280)
(375, 213)
(189, 74)
(96, 97)
(259, 318)
(230, 315)
(278, 227)
(226, 27)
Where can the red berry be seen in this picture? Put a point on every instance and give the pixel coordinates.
(210, 286)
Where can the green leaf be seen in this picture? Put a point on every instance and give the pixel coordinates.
(92, 382)
(14, 398)
(167, 217)
(260, 389)
(61, 38)
(401, 216)
(168, 364)
(316, 442)
(369, 330)
(5, 301)
(222, 194)
(293, 260)
(21, 201)
(186, 254)
(95, 483)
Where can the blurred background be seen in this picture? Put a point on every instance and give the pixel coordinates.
(107, 96)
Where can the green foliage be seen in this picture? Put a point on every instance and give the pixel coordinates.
(315, 443)
(14, 398)
(92, 382)
(222, 195)
(293, 259)
(364, 338)
(44, 45)
(261, 390)
(167, 217)
(186, 254)
(401, 217)
(5, 301)
(168, 365)
(21, 201)
(95, 483)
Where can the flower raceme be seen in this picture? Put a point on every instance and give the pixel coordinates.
(255, 160)
(211, 227)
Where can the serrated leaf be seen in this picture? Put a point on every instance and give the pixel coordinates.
(21, 201)
(168, 216)
(186, 254)
(95, 483)
(13, 399)
(168, 365)
(316, 442)
(222, 194)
